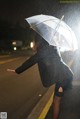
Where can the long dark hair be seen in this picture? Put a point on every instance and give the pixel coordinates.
(40, 41)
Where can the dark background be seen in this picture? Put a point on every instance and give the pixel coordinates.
(13, 14)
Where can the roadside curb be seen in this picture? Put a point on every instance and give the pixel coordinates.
(41, 109)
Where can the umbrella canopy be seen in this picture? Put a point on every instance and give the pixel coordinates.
(54, 31)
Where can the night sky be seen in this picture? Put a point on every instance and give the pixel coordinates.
(17, 10)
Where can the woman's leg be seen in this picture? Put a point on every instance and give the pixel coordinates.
(56, 103)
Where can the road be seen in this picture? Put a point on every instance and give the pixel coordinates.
(19, 93)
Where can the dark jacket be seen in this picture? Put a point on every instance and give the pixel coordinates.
(51, 67)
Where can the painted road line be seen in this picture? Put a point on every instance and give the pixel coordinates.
(10, 60)
(46, 108)
(42, 107)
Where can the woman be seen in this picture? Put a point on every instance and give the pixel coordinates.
(52, 70)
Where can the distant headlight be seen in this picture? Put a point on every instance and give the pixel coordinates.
(15, 48)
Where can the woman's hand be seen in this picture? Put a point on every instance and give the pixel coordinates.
(11, 70)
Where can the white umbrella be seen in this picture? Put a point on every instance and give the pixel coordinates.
(54, 31)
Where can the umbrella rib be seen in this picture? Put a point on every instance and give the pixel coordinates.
(52, 21)
(48, 20)
(57, 27)
(59, 32)
(42, 22)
